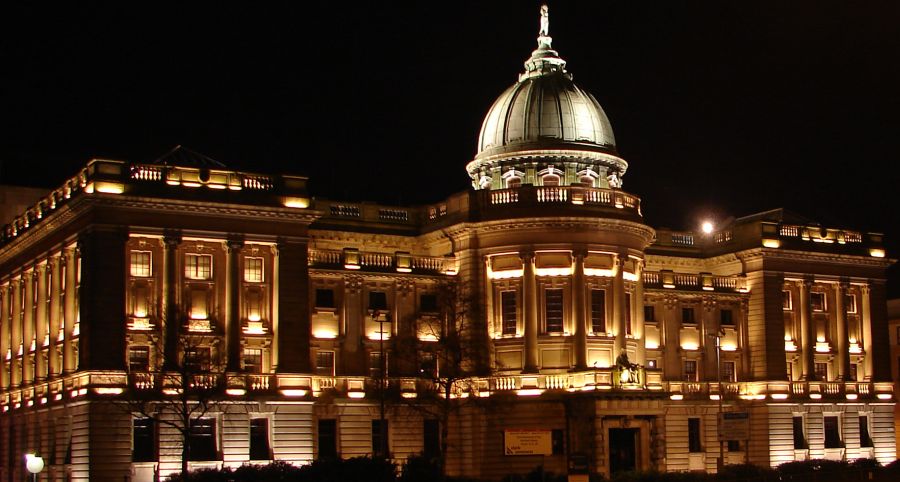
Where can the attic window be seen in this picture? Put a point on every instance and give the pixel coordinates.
(550, 180)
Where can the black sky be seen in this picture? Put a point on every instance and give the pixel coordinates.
(721, 108)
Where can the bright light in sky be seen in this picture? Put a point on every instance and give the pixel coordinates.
(707, 227)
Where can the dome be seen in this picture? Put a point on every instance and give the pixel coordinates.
(546, 128)
(545, 111)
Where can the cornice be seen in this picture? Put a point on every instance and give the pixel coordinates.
(542, 223)
(193, 207)
(690, 262)
(813, 256)
(367, 239)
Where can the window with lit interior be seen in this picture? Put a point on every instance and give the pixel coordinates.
(253, 270)
(140, 264)
(198, 266)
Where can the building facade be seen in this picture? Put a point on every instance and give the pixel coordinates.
(301, 321)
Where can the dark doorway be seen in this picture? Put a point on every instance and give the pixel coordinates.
(622, 449)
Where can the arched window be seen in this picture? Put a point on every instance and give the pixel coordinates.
(513, 181)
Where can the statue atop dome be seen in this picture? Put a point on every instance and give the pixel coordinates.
(545, 21)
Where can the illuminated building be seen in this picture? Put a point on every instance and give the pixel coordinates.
(296, 296)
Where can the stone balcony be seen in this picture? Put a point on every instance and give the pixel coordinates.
(612, 381)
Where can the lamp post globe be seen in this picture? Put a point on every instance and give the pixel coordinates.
(34, 464)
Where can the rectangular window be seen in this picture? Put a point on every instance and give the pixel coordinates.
(202, 439)
(431, 442)
(850, 303)
(817, 301)
(728, 372)
(139, 358)
(253, 302)
(832, 432)
(508, 312)
(253, 360)
(649, 313)
(253, 270)
(822, 371)
(198, 266)
(196, 360)
(687, 316)
(553, 310)
(327, 438)
(324, 298)
(694, 439)
(325, 363)
(259, 439)
(786, 300)
(598, 312)
(380, 445)
(854, 372)
(428, 364)
(428, 303)
(140, 263)
(377, 300)
(726, 318)
(865, 440)
(199, 304)
(690, 370)
(376, 365)
(143, 445)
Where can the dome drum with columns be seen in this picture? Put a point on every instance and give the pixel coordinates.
(545, 130)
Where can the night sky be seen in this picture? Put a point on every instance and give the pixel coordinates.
(721, 108)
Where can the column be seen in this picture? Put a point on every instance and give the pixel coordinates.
(294, 324)
(637, 318)
(807, 334)
(868, 366)
(843, 344)
(28, 328)
(578, 297)
(41, 322)
(275, 305)
(4, 337)
(16, 343)
(529, 312)
(709, 329)
(55, 291)
(353, 314)
(670, 332)
(70, 316)
(493, 327)
(168, 300)
(743, 322)
(101, 298)
(619, 305)
(232, 304)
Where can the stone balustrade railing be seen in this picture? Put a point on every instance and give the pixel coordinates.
(95, 384)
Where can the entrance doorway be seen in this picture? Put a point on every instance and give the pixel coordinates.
(622, 449)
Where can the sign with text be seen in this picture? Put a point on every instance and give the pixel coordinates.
(528, 442)
(734, 426)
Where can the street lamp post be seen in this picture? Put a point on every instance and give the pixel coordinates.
(720, 461)
(382, 442)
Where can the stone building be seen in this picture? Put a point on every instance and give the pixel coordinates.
(596, 336)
